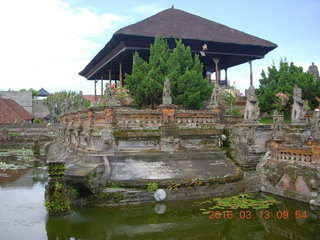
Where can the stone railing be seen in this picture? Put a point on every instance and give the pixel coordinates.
(200, 117)
(138, 118)
(296, 155)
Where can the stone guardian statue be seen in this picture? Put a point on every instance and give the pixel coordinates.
(214, 97)
(298, 109)
(166, 95)
(252, 110)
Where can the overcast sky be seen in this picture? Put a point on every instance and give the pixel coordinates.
(46, 43)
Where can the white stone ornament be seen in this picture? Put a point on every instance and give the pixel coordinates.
(160, 195)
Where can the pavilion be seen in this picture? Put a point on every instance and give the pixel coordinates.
(219, 47)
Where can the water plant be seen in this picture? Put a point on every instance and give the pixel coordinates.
(240, 201)
(152, 187)
(58, 202)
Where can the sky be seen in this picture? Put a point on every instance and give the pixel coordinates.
(46, 43)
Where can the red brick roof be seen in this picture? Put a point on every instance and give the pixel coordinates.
(11, 112)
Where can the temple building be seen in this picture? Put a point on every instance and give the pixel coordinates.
(218, 46)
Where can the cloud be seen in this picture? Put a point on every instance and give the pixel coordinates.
(45, 43)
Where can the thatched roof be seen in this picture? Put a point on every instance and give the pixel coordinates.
(175, 23)
(235, 47)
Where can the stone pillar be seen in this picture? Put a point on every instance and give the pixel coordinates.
(57, 201)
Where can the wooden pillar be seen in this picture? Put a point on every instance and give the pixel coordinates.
(216, 61)
(226, 76)
(251, 78)
(95, 90)
(109, 77)
(120, 73)
(133, 59)
(101, 88)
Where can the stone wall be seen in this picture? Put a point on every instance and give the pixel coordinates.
(291, 167)
(248, 144)
(132, 148)
(39, 109)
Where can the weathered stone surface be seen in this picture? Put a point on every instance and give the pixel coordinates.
(176, 166)
(248, 144)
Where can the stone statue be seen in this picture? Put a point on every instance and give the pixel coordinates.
(298, 109)
(252, 111)
(277, 121)
(313, 69)
(276, 127)
(82, 105)
(214, 97)
(315, 125)
(110, 99)
(166, 95)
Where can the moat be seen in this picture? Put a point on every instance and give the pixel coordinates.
(23, 214)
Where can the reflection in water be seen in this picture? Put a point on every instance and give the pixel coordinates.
(23, 216)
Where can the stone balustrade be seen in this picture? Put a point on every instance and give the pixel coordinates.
(296, 155)
(137, 118)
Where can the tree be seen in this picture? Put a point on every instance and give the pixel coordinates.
(146, 81)
(188, 86)
(34, 92)
(283, 79)
(56, 100)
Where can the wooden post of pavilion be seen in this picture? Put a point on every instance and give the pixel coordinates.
(226, 76)
(120, 73)
(251, 77)
(133, 59)
(95, 90)
(216, 61)
(101, 87)
(109, 77)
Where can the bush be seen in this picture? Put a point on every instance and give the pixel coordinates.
(37, 120)
(153, 186)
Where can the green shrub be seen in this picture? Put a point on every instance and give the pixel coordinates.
(152, 187)
(37, 120)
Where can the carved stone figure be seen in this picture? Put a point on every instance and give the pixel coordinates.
(214, 97)
(110, 99)
(252, 111)
(277, 121)
(313, 69)
(82, 105)
(315, 125)
(298, 109)
(166, 95)
(276, 127)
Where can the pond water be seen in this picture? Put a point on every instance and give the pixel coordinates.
(23, 216)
